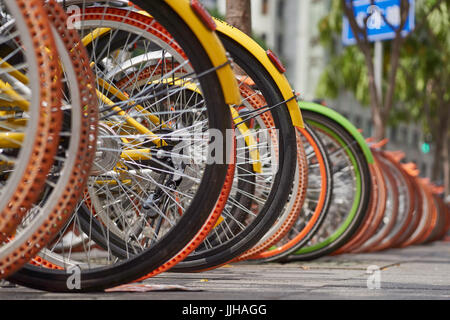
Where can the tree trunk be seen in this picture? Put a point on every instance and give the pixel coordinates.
(239, 15)
(379, 124)
(378, 118)
(392, 78)
(446, 164)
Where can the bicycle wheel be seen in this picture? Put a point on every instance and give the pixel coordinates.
(253, 136)
(70, 168)
(443, 219)
(291, 210)
(31, 115)
(314, 210)
(351, 188)
(102, 269)
(428, 218)
(405, 198)
(391, 209)
(434, 218)
(117, 241)
(258, 210)
(418, 202)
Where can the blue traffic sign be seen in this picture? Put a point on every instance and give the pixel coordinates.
(377, 28)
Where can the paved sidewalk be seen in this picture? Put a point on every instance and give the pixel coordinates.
(421, 272)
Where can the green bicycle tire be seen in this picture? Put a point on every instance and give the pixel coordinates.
(362, 193)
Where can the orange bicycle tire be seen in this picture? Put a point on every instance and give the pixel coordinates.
(393, 165)
(46, 113)
(418, 203)
(77, 173)
(373, 242)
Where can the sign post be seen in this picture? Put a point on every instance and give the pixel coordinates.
(378, 68)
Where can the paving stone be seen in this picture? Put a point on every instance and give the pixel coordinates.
(421, 272)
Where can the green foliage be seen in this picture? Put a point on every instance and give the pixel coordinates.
(425, 65)
(423, 77)
(346, 69)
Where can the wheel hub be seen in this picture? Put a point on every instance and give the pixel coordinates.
(108, 150)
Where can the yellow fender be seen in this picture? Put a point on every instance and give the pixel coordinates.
(255, 49)
(213, 47)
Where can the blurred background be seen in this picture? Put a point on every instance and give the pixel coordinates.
(396, 88)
